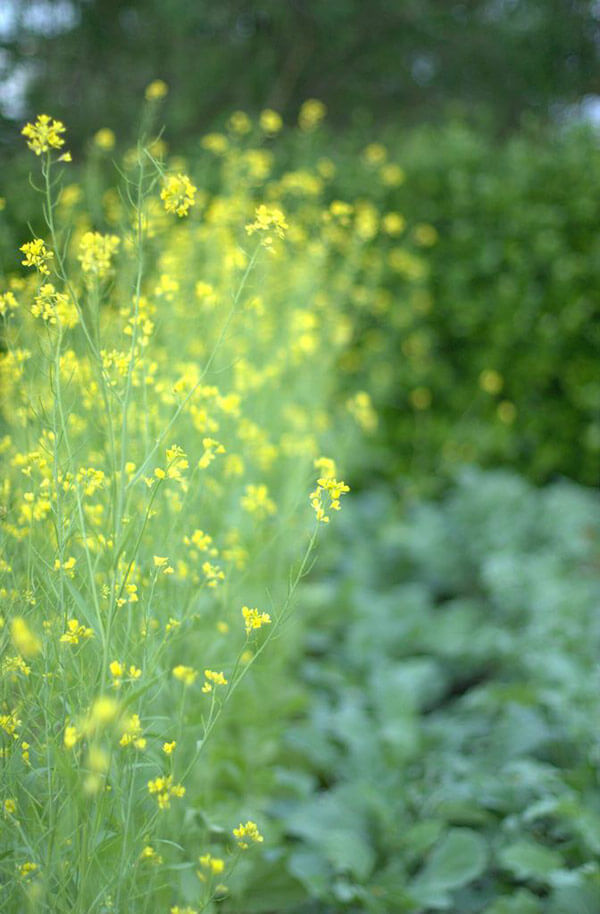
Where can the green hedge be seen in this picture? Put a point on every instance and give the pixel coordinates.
(481, 338)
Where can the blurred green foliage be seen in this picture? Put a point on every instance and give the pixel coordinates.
(445, 758)
(481, 327)
(89, 60)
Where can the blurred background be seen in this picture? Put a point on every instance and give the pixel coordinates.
(439, 696)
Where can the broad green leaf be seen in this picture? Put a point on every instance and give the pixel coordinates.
(529, 860)
(458, 859)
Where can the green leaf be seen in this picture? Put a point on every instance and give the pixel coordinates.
(529, 860)
(523, 902)
(458, 859)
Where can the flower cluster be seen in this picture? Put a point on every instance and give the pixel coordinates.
(45, 134)
(96, 252)
(37, 255)
(327, 496)
(164, 789)
(270, 221)
(253, 619)
(213, 679)
(178, 194)
(247, 833)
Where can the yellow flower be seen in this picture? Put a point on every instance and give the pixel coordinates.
(10, 807)
(71, 736)
(211, 449)
(45, 134)
(269, 220)
(246, 833)
(54, 307)
(185, 674)
(212, 678)
(254, 619)
(331, 490)
(257, 501)
(164, 788)
(96, 252)
(132, 734)
(24, 640)
(75, 632)
(491, 381)
(375, 154)
(156, 90)
(176, 462)
(311, 114)
(169, 748)
(8, 303)
(214, 864)
(149, 854)
(37, 255)
(239, 122)
(103, 712)
(104, 139)
(178, 194)
(270, 121)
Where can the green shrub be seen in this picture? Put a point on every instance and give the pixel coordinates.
(480, 331)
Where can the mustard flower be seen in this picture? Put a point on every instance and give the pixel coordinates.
(270, 121)
(257, 501)
(169, 748)
(149, 854)
(71, 736)
(25, 641)
(332, 490)
(37, 255)
(132, 734)
(96, 252)
(76, 632)
(176, 462)
(247, 833)
(162, 562)
(54, 307)
(491, 381)
(45, 134)
(27, 869)
(102, 713)
(164, 788)
(253, 619)
(211, 449)
(269, 220)
(178, 194)
(239, 122)
(185, 674)
(212, 678)
(104, 139)
(213, 574)
(213, 865)
(68, 566)
(8, 303)
(156, 90)
(311, 114)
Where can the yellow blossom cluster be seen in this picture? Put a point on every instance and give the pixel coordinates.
(178, 194)
(44, 134)
(163, 396)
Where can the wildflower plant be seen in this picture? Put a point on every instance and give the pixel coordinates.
(164, 408)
